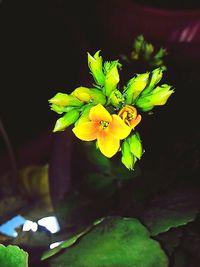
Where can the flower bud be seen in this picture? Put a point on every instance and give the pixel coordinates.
(116, 98)
(95, 65)
(128, 159)
(161, 94)
(156, 76)
(59, 109)
(64, 100)
(135, 145)
(148, 50)
(135, 86)
(157, 97)
(92, 95)
(97, 96)
(137, 47)
(82, 93)
(68, 119)
(111, 77)
(129, 115)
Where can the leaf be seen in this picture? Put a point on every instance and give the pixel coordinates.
(69, 242)
(170, 210)
(13, 256)
(116, 242)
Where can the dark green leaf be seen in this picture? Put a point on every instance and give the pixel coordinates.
(114, 242)
(170, 210)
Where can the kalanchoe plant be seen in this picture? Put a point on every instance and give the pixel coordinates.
(144, 51)
(108, 113)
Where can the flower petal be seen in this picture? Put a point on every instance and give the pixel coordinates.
(86, 131)
(135, 121)
(108, 144)
(99, 113)
(118, 128)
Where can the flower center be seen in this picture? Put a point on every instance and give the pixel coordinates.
(104, 124)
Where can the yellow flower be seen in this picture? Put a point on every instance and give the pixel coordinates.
(129, 116)
(106, 128)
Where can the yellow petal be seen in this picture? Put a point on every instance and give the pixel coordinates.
(86, 131)
(118, 128)
(99, 113)
(108, 144)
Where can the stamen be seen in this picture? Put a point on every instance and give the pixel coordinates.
(104, 124)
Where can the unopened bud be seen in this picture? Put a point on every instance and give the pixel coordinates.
(68, 119)
(95, 66)
(135, 86)
(135, 145)
(155, 78)
(128, 159)
(63, 100)
(111, 77)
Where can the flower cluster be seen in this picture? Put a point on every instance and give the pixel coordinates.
(108, 114)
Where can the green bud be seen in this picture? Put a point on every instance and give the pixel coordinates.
(138, 44)
(148, 50)
(97, 96)
(157, 97)
(135, 145)
(95, 66)
(135, 86)
(59, 109)
(128, 159)
(161, 94)
(111, 76)
(116, 98)
(68, 119)
(89, 95)
(160, 54)
(64, 100)
(82, 93)
(156, 76)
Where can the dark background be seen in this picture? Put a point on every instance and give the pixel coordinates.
(43, 46)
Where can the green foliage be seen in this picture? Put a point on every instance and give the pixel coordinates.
(113, 242)
(171, 210)
(13, 256)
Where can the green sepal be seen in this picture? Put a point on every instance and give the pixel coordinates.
(68, 119)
